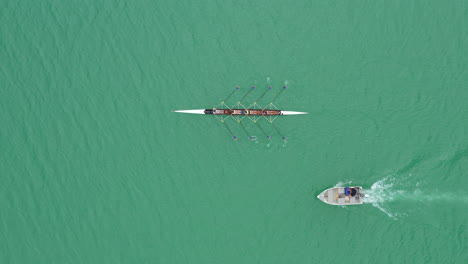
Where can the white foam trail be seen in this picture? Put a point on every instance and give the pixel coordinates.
(380, 193)
(434, 196)
(389, 189)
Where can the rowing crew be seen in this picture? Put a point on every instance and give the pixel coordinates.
(245, 112)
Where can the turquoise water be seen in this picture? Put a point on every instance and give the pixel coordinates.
(97, 169)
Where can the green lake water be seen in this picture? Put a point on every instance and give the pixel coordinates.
(96, 168)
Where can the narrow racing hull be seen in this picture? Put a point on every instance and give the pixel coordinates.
(194, 111)
(240, 112)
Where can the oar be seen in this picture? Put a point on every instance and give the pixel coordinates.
(261, 96)
(278, 94)
(250, 137)
(230, 131)
(245, 95)
(229, 96)
(277, 130)
(263, 131)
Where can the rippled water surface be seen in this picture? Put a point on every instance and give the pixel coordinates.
(96, 168)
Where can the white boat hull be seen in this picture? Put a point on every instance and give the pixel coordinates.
(293, 113)
(336, 196)
(193, 111)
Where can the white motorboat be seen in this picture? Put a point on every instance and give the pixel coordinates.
(342, 195)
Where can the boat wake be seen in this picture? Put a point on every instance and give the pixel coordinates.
(382, 192)
(391, 189)
(434, 196)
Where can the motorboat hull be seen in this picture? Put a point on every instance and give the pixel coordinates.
(337, 196)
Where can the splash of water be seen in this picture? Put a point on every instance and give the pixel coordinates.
(382, 192)
(390, 189)
(341, 184)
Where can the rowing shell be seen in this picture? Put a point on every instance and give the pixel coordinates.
(240, 112)
(254, 112)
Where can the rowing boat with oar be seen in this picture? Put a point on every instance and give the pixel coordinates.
(254, 112)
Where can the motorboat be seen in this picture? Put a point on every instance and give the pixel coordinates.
(342, 195)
